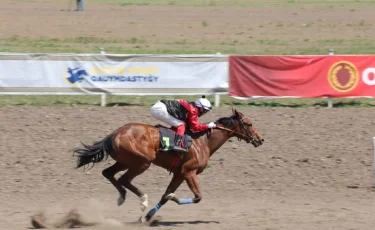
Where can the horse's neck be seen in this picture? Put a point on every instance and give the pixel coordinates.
(217, 139)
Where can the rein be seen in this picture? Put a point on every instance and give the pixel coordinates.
(232, 131)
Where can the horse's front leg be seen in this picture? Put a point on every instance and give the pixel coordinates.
(192, 181)
(172, 187)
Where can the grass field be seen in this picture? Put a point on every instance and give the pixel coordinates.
(225, 101)
(142, 46)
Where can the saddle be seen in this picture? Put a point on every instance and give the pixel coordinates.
(167, 139)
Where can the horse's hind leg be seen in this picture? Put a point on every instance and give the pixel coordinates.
(109, 173)
(127, 178)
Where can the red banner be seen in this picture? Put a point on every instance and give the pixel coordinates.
(302, 76)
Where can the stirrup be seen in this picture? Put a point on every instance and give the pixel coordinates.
(180, 149)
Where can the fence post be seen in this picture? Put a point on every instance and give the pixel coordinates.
(102, 52)
(217, 100)
(331, 52)
(330, 101)
(103, 97)
(217, 96)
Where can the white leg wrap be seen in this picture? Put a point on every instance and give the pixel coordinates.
(144, 202)
(170, 196)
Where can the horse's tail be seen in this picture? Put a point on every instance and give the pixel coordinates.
(95, 153)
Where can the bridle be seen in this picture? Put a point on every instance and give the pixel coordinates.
(248, 137)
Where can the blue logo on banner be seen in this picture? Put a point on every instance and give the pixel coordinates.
(107, 75)
(76, 75)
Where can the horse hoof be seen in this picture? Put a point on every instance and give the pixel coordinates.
(120, 200)
(170, 196)
(142, 220)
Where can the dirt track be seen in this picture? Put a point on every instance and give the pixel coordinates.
(298, 180)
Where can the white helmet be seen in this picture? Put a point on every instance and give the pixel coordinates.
(203, 102)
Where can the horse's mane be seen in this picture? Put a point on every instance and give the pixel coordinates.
(227, 122)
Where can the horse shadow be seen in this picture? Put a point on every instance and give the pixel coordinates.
(161, 223)
(115, 104)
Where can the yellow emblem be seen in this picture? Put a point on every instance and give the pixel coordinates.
(343, 76)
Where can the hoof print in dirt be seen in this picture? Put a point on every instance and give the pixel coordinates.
(38, 221)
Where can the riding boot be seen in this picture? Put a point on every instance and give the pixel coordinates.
(178, 146)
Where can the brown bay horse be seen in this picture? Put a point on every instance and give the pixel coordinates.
(135, 146)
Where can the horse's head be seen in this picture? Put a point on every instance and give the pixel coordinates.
(242, 128)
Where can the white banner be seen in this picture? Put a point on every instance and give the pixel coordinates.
(117, 76)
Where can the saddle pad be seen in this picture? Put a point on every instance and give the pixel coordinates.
(167, 139)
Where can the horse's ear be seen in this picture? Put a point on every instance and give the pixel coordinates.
(235, 113)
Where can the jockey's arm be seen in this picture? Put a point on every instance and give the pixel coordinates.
(195, 126)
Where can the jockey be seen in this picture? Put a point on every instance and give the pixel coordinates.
(178, 112)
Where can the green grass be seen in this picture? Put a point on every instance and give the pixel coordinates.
(226, 101)
(135, 45)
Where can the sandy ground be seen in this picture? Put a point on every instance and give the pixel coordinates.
(313, 172)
